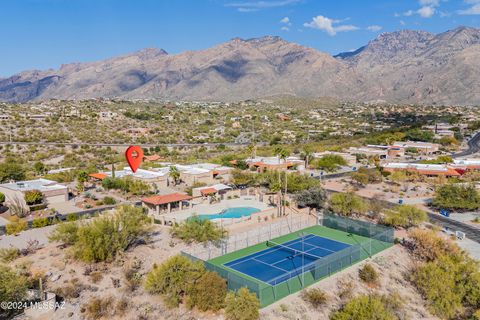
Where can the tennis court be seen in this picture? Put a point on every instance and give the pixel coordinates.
(282, 261)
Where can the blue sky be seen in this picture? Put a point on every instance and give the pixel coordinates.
(41, 34)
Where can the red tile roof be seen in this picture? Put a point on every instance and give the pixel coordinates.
(167, 198)
(208, 191)
(153, 157)
(99, 176)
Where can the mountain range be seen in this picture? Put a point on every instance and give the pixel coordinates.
(402, 67)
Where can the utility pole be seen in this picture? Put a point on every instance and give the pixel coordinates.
(285, 194)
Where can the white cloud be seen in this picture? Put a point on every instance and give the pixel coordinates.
(433, 3)
(250, 6)
(285, 20)
(284, 28)
(328, 25)
(473, 10)
(427, 8)
(426, 12)
(402, 22)
(374, 28)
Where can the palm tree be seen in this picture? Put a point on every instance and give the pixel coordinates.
(175, 174)
(307, 154)
(281, 153)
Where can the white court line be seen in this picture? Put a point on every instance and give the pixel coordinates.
(269, 250)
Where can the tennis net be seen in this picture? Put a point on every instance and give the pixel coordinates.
(294, 252)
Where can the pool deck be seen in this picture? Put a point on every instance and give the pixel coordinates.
(206, 208)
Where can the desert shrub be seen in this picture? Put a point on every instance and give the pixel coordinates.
(40, 222)
(476, 315)
(102, 238)
(364, 308)
(71, 290)
(96, 276)
(242, 305)
(8, 254)
(126, 184)
(199, 230)
(315, 296)
(216, 287)
(427, 245)
(347, 204)
(108, 201)
(16, 226)
(404, 216)
(72, 217)
(13, 287)
(33, 197)
(368, 274)
(133, 277)
(451, 196)
(97, 308)
(65, 232)
(443, 283)
(345, 289)
(173, 279)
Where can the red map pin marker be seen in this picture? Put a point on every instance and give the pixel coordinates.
(134, 155)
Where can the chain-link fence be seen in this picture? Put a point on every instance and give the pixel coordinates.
(368, 238)
(252, 237)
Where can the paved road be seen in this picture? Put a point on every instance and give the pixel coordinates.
(145, 145)
(473, 147)
(471, 232)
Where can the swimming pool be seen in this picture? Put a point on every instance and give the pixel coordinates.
(229, 213)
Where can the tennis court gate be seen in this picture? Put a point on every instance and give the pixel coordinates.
(380, 238)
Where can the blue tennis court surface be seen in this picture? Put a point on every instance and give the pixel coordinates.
(286, 260)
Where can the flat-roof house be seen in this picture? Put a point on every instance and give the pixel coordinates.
(208, 173)
(422, 147)
(381, 153)
(52, 191)
(263, 164)
(158, 178)
(424, 169)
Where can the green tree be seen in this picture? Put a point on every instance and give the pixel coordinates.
(102, 238)
(329, 162)
(242, 305)
(347, 204)
(11, 169)
(199, 230)
(241, 178)
(174, 278)
(39, 167)
(437, 282)
(2, 198)
(13, 287)
(452, 196)
(405, 216)
(174, 174)
(281, 153)
(216, 287)
(314, 198)
(360, 178)
(419, 135)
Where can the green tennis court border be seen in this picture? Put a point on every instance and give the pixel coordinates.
(366, 239)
